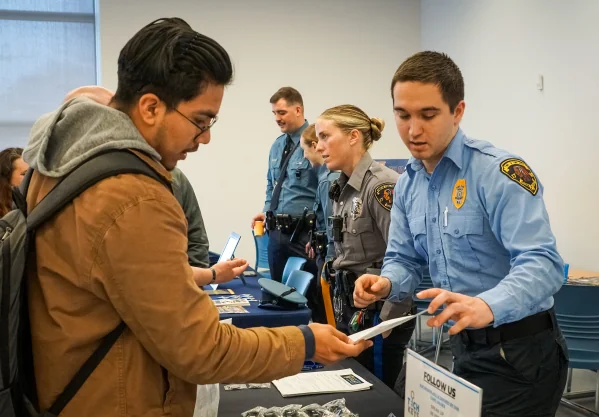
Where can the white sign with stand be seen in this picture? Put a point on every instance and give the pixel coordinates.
(432, 391)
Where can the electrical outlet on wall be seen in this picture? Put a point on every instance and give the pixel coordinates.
(540, 82)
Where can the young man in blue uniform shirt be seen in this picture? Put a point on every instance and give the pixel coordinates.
(290, 186)
(475, 215)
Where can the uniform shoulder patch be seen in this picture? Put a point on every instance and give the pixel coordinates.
(384, 195)
(518, 171)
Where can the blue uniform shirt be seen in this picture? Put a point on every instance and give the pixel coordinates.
(494, 242)
(299, 187)
(323, 206)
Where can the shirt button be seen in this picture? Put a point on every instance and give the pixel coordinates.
(434, 187)
(353, 231)
(444, 282)
(434, 220)
(438, 251)
(456, 231)
(341, 203)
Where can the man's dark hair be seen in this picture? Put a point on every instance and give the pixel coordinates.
(289, 94)
(436, 68)
(170, 59)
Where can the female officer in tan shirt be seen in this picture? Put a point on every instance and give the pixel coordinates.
(362, 200)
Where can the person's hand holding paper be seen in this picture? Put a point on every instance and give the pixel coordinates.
(382, 327)
(333, 346)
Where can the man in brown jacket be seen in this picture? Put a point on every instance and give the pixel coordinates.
(118, 251)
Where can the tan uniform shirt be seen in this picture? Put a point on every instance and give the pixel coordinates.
(365, 205)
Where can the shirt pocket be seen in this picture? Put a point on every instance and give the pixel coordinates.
(300, 171)
(360, 239)
(418, 231)
(460, 233)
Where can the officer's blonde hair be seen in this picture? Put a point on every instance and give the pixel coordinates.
(309, 135)
(348, 117)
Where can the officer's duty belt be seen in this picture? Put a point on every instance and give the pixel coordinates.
(286, 223)
(528, 326)
(347, 280)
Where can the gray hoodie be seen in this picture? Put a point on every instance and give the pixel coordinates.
(80, 128)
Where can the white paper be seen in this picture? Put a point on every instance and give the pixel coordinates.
(382, 327)
(325, 382)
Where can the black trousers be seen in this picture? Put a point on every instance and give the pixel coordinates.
(520, 377)
(280, 249)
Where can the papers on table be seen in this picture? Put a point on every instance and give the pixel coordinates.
(231, 302)
(231, 310)
(219, 292)
(381, 328)
(325, 382)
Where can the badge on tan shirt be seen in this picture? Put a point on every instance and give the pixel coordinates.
(459, 193)
(384, 195)
(517, 170)
(356, 207)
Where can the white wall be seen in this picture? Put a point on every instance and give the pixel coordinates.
(501, 47)
(333, 52)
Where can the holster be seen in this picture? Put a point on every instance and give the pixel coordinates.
(346, 282)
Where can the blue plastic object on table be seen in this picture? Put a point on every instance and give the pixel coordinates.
(259, 317)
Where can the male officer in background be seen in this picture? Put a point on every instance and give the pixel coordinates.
(475, 215)
(290, 186)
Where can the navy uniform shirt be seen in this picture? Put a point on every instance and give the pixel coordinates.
(323, 207)
(479, 221)
(299, 187)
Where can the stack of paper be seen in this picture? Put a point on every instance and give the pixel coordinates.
(326, 382)
(382, 327)
(231, 302)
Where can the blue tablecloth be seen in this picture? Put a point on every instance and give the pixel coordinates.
(260, 317)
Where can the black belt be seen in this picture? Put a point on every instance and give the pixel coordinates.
(528, 326)
(286, 224)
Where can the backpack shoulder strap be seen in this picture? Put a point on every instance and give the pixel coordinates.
(83, 177)
(85, 371)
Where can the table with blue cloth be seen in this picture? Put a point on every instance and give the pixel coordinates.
(261, 317)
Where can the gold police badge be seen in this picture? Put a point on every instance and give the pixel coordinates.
(459, 193)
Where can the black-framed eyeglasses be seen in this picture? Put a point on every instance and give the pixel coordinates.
(201, 128)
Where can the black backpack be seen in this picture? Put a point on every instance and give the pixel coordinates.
(17, 230)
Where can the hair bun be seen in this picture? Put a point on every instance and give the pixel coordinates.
(376, 126)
